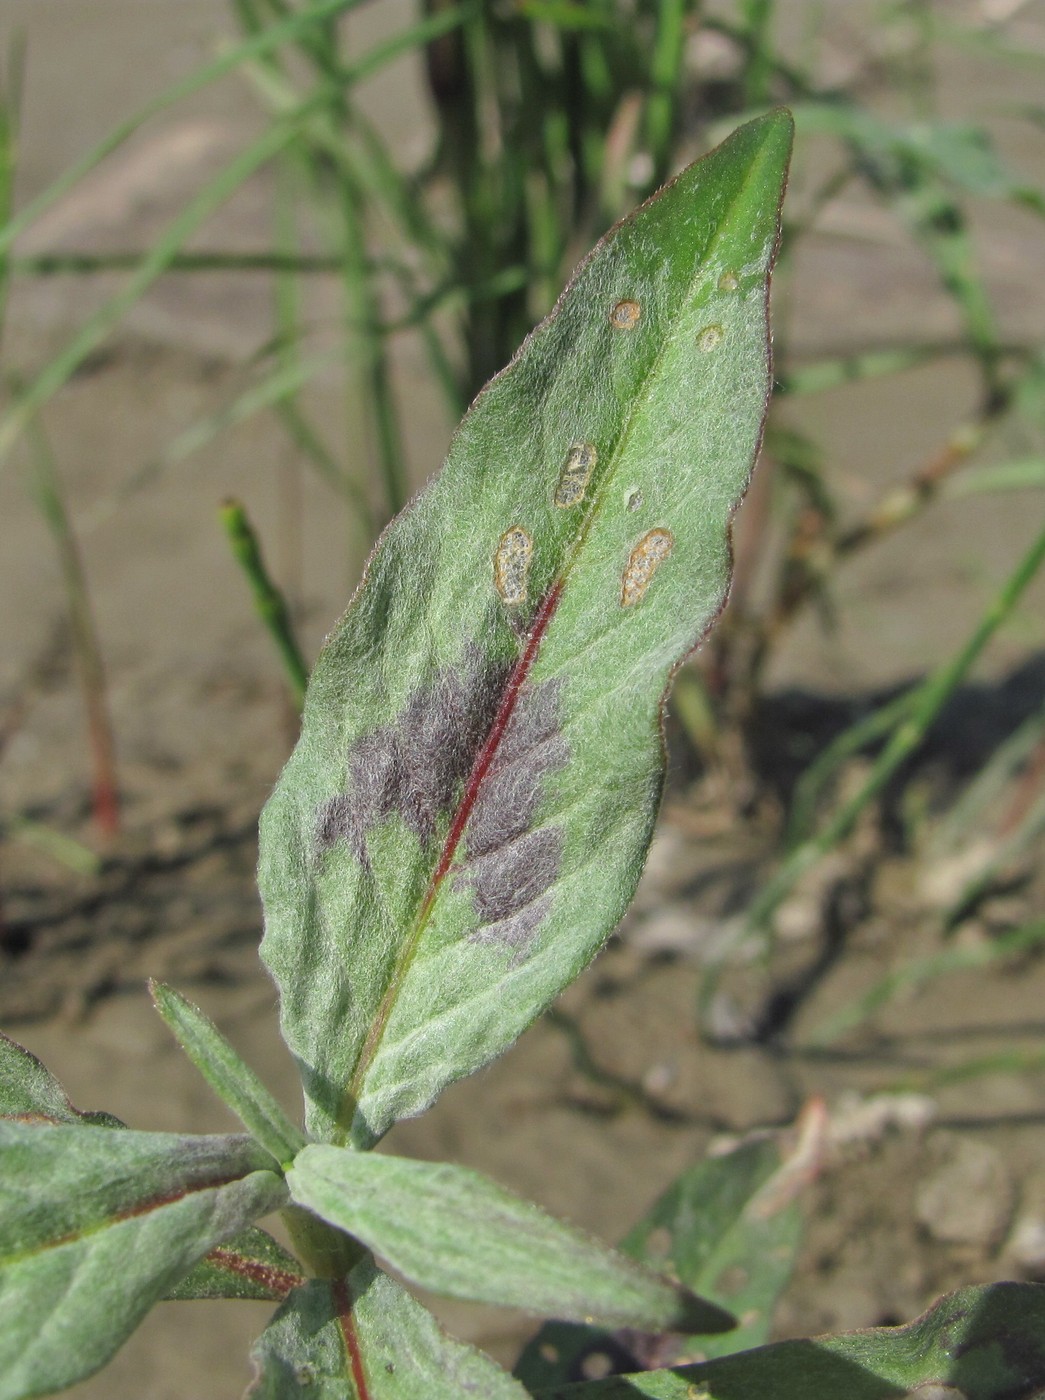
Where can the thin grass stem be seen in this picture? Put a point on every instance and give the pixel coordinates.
(268, 600)
(925, 706)
(94, 330)
(47, 491)
(255, 47)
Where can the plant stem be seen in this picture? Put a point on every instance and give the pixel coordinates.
(268, 600)
(46, 489)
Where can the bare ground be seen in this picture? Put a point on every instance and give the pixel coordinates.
(933, 1178)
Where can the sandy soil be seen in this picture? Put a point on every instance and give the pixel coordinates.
(939, 1183)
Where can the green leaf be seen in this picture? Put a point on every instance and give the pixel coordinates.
(728, 1228)
(467, 812)
(252, 1265)
(977, 1344)
(365, 1336)
(228, 1076)
(458, 1233)
(96, 1226)
(30, 1092)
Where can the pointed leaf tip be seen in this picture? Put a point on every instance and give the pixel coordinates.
(466, 815)
(458, 1233)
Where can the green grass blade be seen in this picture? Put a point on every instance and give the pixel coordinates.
(662, 105)
(46, 489)
(268, 600)
(824, 375)
(820, 772)
(255, 47)
(12, 85)
(56, 844)
(1022, 474)
(465, 818)
(153, 263)
(925, 703)
(923, 971)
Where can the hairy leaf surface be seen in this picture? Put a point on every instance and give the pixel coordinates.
(366, 1337)
(29, 1092)
(251, 1265)
(728, 1228)
(458, 1233)
(233, 1081)
(978, 1344)
(467, 812)
(96, 1226)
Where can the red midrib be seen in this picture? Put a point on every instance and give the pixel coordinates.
(347, 1322)
(472, 788)
(486, 755)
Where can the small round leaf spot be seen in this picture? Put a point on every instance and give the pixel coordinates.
(645, 559)
(728, 282)
(709, 338)
(633, 499)
(511, 565)
(626, 315)
(576, 473)
(596, 1366)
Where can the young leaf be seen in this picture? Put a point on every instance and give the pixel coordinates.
(458, 1233)
(232, 1080)
(366, 1337)
(726, 1232)
(252, 1265)
(30, 1093)
(467, 812)
(96, 1226)
(978, 1344)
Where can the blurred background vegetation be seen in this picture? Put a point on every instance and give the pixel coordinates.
(403, 191)
(256, 257)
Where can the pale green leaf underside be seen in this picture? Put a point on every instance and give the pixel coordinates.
(467, 812)
(977, 1344)
(96, 1226)
(397, 1348)
(455, 1232)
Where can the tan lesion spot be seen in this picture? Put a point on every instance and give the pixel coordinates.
(511, 565)
(728, 282)
(710, 338)
(575, 475)
(626, 315)
(645, 559)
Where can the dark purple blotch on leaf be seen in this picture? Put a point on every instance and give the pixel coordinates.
(507, 863)
(416, 765)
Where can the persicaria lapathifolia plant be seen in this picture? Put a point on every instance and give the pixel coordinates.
(461, 825)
